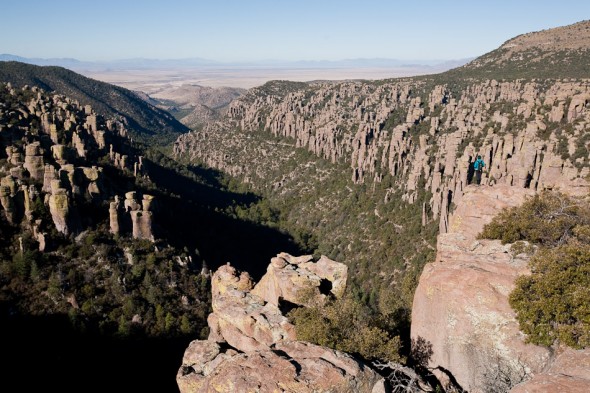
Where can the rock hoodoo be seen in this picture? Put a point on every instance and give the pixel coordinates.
(49, 162)
(253, 347)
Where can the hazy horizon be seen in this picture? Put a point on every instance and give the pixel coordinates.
(269, 31)
(245, 44)
(153, 75)
(199, 61)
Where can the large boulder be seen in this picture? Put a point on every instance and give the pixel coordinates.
(242, 319)
(300, 280)
(288, 367)
(253, 347)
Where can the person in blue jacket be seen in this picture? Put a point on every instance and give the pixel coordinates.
(478, 166)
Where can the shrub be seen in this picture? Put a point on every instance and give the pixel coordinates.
(345, 325)
(553, 303)
(548, 218)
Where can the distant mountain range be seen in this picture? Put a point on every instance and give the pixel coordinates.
(141, 63)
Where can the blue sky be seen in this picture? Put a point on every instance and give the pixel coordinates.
(258, 30)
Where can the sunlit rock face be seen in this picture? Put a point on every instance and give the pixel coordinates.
(253, 347)
(461, 304)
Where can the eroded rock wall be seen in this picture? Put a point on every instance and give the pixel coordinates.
(531, 134)
(461, 303)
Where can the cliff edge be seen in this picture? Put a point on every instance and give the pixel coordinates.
(461, 305)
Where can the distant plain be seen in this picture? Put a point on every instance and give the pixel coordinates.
(153, 80)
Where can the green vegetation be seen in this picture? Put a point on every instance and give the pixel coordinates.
(277, 88)
(553, 302)
(346, 325)
(119, 287)
(549, 219)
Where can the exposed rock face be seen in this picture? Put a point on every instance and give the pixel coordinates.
(461, 303)
(7, 203)
(114, 208)
(141, 215)
(264, 355)
(64, 217)
(34, 161)
(386, 129)
(299, 280)
(570, 372)
(142, 225)
(288, 367)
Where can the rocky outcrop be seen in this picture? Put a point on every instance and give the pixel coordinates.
(288, 367)
(461, 302)
(253, 347)
(53, 158)
(132, 216)
(59, 203)
(34, 161)
(114, 212)
(141, 215)
(7, 204)
(300, 280)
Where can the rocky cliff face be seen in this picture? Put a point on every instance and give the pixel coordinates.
(253, 347)
(461, 303)
(51, 146)
(531, 134)
(569, 372)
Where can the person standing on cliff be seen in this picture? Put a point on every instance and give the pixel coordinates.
(478, 166)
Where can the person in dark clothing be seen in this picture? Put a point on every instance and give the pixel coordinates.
(478, 166)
